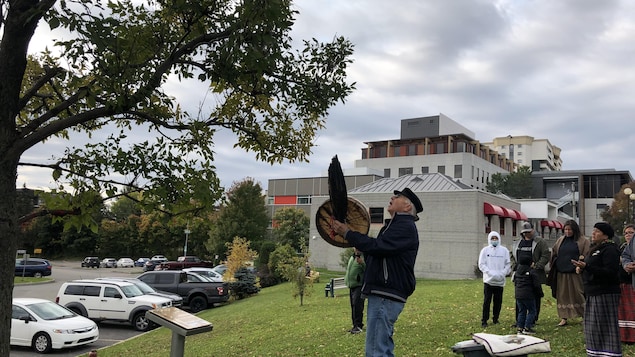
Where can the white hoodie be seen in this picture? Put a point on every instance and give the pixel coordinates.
(494, 262)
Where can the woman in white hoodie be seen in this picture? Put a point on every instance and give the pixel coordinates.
(495, 264)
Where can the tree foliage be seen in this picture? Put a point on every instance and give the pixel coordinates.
(622, 210)
(103, 80)
(291, 226)
(239, 255)
(243, 215)
(515, 184)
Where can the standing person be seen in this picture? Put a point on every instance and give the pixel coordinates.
(600, 270)
(354, 279)
(526, 287)
(569, 288)
(389, 278)
(536, 248)
(626, 309)
(494, 262)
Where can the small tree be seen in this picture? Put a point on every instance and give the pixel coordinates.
(291, 226)
(238, 255)
(286, 262)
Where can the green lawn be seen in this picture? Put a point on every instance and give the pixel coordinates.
(438, 315)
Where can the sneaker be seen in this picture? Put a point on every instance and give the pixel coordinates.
(484, 324)
(519, 331)
(529, 331)
(356, 330)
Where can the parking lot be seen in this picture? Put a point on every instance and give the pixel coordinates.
(109, 333)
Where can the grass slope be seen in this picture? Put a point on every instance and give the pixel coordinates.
(438, 315)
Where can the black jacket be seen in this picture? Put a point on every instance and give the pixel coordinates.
(390, 258)
(527, 283)
(601, 273)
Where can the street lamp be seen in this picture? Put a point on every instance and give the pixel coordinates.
(187, 235)
(631, 197)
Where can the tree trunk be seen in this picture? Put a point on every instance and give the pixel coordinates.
(8, 246)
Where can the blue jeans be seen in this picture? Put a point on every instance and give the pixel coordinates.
(381, 316)
(526, 313)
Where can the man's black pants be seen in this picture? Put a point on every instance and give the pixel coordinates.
(492, 293)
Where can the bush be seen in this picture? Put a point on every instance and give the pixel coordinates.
(245, 284)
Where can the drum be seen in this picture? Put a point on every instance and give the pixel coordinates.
(357, 218)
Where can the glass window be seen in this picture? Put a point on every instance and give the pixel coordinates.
(405, 171)
(110, 292)
(386, 172)
(412, 149)
(376, 215)
(425, 169)
(304, 200)
(441, 169)
(92, 290)
(458, 171)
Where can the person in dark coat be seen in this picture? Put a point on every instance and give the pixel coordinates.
(527, 288)
(600, 274)
(389, 278)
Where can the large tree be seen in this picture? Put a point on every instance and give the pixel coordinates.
(108, 70)
(291, 226)
(243, 215)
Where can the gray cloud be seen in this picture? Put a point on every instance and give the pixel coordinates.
(559, 70)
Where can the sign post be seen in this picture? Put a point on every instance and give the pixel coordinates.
(181, 323)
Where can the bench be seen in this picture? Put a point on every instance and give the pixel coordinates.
(334, 284)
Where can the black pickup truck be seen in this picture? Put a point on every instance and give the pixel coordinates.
(197, 292)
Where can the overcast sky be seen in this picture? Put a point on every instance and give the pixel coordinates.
(557, 70)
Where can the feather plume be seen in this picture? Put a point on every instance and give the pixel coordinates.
(337, 190)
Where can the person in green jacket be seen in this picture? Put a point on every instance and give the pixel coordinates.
(354, 280)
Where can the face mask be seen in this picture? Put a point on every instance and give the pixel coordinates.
(494, 243)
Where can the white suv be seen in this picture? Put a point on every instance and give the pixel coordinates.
(110, 300)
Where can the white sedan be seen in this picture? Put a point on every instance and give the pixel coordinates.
(209, 273)
(125, 263)
(45, 325)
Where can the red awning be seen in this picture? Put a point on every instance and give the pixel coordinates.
(516, 215)
(552, 224)
(558, 224)
(489, 208)
(506, 212)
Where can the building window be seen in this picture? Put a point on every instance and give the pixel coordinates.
(599, 209)
(439, 148)
(270, 200)
(425, 169)
(520, 153)
(405, 171)
(458, 171)
(304, 200)
(386, 172)
(396, 151)
(461, 147)
(412, 149)
(376, 214)
(441, 169)
(519, 145)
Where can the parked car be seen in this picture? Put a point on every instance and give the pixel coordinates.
(125, 263)
(45, 325)
(220, 269)
(197, 292)
(177, 301)
(90, 262)
(189, 261)
(35, 267)
(159, 257)
(209, 273)
(110, 300)
(152, 264)
(140, 262)
(108, 263)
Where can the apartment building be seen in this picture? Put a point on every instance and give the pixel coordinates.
(524, 150)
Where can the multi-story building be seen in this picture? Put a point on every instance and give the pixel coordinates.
(537, 154)
(435, 144)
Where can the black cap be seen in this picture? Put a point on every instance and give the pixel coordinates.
(412, 197)
(605, 228)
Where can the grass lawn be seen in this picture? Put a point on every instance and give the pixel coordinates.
(29, 279)
(272, 323)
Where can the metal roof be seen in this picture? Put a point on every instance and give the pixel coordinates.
(417, 183)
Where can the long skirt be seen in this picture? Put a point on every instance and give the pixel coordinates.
(570, 296)
(601, 330)
(626, 313)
